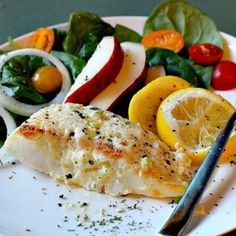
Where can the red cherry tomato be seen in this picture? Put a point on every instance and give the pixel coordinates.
(205, 54)
(224, 76)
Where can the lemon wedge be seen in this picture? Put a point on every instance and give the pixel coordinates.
(191, 119)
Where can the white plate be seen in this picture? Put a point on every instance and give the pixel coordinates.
(32, 204)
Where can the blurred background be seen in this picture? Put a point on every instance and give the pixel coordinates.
(18, 17)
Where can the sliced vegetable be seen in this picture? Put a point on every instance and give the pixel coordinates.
(149, 99)
(73, 63)
(166, 38)
(191, 119)
(224, 76)
(43, 38)
(26, 109)
(183, 17)
(100, 71)
(205, 53)
(47, 79)
(124, 34)
(85, 32)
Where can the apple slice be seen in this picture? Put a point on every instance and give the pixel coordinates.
(133, 71)
(100, 70)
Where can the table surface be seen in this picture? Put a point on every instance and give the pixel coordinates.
(18, 17)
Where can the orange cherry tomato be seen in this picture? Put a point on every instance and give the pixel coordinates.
(43, 38)
(165, 38)
(47, 79)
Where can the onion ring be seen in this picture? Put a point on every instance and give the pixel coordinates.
(26, 109)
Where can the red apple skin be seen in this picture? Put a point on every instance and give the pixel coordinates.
(132, 74)
(101, 80)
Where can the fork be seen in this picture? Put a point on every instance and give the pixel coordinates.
(177, 222)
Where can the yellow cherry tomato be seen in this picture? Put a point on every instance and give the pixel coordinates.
(47, 79)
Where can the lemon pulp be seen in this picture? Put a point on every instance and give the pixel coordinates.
(192, 118)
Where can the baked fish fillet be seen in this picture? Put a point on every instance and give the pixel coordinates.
(101, 151)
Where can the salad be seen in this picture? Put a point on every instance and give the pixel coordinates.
(52, 64)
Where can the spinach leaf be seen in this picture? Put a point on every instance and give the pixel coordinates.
(17, 75)
(173, 63)
(123, 34)
(85, 31)
(73, 63)
(59, 38)
(90, 43)
(204, 73)
(195, 26)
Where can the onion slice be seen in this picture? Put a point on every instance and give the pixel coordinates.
(10, 125)
(26, 109)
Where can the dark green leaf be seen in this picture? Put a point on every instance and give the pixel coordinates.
(173, 63)
(123, 34)
(183, 17)
(157, 56)
(25, 93)
(59, 38)
(90, 43)
(85, 27)
(35, 62)
(204, 73)
(73, 63)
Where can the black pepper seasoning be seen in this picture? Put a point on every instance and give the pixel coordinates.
(69, 176)
(91, 162)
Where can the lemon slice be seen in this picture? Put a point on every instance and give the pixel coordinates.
(191, 118)
(144, 104)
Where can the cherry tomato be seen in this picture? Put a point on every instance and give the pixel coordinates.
(43, 38)
(205, 53)
(166, 38)
(47, 79)
(224, 76)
